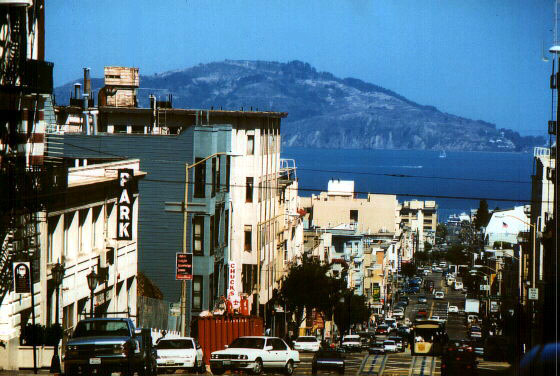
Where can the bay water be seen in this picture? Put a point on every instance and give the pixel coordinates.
(456, 182)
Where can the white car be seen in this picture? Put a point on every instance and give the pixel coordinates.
(352, 342)
(453, 309)
(398, 313)
(391, 322)
(439, 295)
(179, 353)
(307, 343)
(390, 345)
(438, 318)
(254, 354)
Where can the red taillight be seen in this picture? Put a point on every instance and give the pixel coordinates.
(457, 358)
(443, 366)
(468, 366)
(450, 349)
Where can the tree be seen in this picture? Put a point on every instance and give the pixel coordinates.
(441, 233)
(427, 246)
(482, 215)
(408, 269)
(308, 286)
(421, 257)
(352, 310)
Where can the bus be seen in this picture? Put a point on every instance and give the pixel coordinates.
(428, 338)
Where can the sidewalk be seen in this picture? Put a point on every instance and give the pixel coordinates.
(26, 372)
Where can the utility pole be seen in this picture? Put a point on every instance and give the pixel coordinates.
(184, 282)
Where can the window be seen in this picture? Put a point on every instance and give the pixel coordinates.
(277, 344)
(228, 170)
(249, 189)
(226, 228)
(97, 228)
(198, 235)
(250, 144)
(68, 218)
(213, 234)
(248, 238)
(285, 247)
(214, 177)
(353, 216)
(197, 292)
(249, 278)
(82, 217)
(52, 226)
(199, 179)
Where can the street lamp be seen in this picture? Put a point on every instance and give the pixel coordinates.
(57, 272)
(92, 284)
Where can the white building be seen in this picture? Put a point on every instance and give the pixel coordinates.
(505, 225)
(78, 228)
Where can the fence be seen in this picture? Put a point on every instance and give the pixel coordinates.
(153, 313)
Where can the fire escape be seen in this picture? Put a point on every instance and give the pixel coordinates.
(26, 183)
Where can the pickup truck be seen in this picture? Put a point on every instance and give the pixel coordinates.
(107, 345)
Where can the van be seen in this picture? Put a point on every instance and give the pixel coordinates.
(457, 286)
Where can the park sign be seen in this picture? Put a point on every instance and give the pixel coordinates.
(124, 204)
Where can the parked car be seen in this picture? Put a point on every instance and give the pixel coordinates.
(452, 309)
(376, 347)
(475, 332)
(471, 319)
(329, 359)
(391, 322)
(439, 295)
(398, 313)
(307, 343)
(352, 342)
(182, 353)
(422, 299)
(255, 354)
(390, 345)
(104, 344)
(382, 329)
(405, 299)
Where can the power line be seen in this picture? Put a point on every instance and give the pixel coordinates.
(339, 171)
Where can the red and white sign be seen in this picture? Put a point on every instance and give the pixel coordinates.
(232, 293)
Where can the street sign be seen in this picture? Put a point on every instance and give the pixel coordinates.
(484, 287)
(22, 277)
(533, 293)
(183, 266)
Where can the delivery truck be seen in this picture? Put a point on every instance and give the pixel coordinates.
(472, 306)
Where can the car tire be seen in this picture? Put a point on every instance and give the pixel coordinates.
(289, 368)
(217, 371)
(258, 368)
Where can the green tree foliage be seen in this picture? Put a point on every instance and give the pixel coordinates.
(427, 247)
(408, 269)
(457, 255)
(352, 310)
(441, 233)
(482, 215)
(421, 257)
(308, 286)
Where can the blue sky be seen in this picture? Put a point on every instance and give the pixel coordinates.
(475, 58)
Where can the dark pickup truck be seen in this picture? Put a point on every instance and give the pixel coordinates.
(106, 345)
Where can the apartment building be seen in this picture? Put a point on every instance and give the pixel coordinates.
(419, 219)
(339, 205)
(242, 197)
(78, 228)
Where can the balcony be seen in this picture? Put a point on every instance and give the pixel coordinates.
(38, 77)
(287, 173)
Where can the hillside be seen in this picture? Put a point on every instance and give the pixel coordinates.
(324, 111)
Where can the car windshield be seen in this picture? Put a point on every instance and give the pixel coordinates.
(351, 338)
(383, 326)
(169, 344)
(389, 342)
(329, 354)
(306, 339)
(247, 343)
(101, 329)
